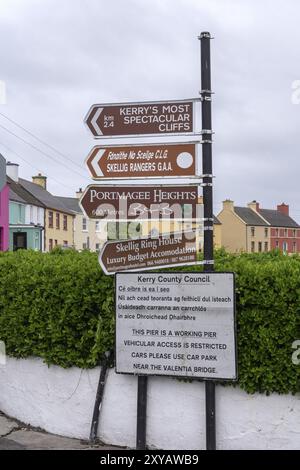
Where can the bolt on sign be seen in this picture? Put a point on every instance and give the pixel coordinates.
(140, 202)
(177, 324)
(148, 253)
(143, 161)
(136, 119)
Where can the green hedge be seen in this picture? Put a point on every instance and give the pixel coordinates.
(60, 307)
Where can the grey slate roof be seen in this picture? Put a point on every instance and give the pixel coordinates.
(216, 221)
(249, 216)
(15, 197)
(19, 194)
(70, 203)
(46, 198)
(277, 219)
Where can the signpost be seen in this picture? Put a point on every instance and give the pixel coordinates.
(125, 202)
(146, 118)
(143, 161)
(149, 253)
(178, 324)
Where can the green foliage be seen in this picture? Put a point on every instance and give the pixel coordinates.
(60, 307)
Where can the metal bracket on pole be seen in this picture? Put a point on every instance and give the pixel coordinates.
(205, 98)
(205, 184)
(206, 142)
(209, 261)
(208, 228)
(207, 219)
(201, 92)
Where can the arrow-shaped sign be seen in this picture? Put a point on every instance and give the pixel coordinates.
(124, 202)
(147, 118)
(141, 161)
(149, 253)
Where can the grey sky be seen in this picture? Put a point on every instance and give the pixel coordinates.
(58, 57)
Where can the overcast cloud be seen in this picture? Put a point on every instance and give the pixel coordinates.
(58, 57)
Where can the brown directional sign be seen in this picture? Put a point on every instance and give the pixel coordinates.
(147, 118)
(140, 161)
(149, 253)
(139, 202)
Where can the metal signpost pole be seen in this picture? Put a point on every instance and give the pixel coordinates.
(141, 412)
(208, 210)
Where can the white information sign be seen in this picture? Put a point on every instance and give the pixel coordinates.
(177, 324)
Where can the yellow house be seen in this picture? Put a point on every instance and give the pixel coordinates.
(58, 218)
(243, 228)
(89, 234)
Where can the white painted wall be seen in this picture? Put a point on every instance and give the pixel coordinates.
(61, 401)
(34, 214)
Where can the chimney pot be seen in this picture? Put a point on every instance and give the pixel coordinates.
(12, 170)
(283, 208)
(40, 180)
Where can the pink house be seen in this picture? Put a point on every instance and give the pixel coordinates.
(4, 207)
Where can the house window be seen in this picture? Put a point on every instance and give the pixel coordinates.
(294, 233)
(65, 222)
(55, 242)
(266, 246)
(84, 246)
(97, 225)
(266, 232)
(50, 244)
(294, 247)
(97, 246)
(50, 219)
(285, 232)
(284, 247)
(84, 224)
(277, 244)
(260, 247)
(252, 247)
(31, 214)
(57, 220)
(276, 232)
(252, 231)
(65, 243)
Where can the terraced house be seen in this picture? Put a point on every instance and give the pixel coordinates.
(55, 218)
(253, 229)
(58, 219)
(26, 215)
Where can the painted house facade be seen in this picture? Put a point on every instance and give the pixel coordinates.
(253, 229)
(88, 234)
(58, 220)
(26, 215)
(4, 207)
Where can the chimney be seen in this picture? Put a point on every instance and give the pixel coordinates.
(254, 205)
(79, 193)
(12, 170)
(40, 180)
(283, 208)
(228, 205)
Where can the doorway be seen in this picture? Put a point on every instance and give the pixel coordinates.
(20, 241)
